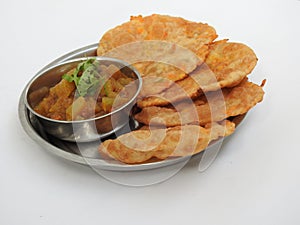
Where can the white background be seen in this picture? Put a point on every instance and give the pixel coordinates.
(255, 178)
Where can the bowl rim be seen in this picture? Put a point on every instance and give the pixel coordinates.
(100, 58)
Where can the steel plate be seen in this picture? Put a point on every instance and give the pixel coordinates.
(88, 154)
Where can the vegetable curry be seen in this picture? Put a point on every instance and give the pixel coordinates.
(87, 91)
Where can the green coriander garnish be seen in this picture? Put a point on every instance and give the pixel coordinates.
(85, 77)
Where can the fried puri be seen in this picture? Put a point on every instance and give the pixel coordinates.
(141, 145)
(163, 46)
(215, 106)
(226, 65)
(193, 86)
(188, 34)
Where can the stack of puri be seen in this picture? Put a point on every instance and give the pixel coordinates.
(193, 86)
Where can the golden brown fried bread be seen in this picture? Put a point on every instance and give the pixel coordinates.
(230, 62)
(218, 106)
(156, 61)
(159, 46)
(191, 85)
(190, 35)
(227, 65)
(157, 58)
(183, 89)
(141, 145)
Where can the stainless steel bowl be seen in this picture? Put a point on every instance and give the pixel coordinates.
(80, 130)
